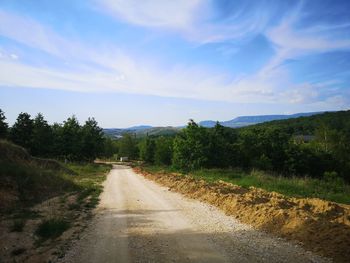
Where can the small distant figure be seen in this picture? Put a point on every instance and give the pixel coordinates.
(124, 159)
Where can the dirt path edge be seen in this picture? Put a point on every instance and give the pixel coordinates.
(320, 226)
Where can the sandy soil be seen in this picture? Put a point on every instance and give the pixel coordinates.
(139, 221)
(320, 226)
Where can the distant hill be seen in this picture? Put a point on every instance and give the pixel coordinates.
(307, 125)
(141, 131)
(242, 121)
(251, 120)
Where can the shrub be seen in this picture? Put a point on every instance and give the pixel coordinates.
(52, 228)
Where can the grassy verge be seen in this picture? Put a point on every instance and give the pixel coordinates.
(332, 190)
(88, 178)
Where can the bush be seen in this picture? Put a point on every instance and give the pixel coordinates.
(52, 228)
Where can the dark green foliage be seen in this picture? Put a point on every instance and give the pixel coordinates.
(163, 151)
(21, 132)
(52, 228)
(110, 148)
(3, 125)
(69, 141)
(147, 149)
(92, 140)
(42, 137)
(222, 146)
(191, 147)
(128, 146)
(72, 139)
(306, 146)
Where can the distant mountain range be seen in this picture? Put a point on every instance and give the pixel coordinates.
(143, 130)
(251, 120)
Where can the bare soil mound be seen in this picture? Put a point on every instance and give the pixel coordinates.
(321, 226)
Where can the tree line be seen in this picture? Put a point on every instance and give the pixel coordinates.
(68, 140)
(308, 146)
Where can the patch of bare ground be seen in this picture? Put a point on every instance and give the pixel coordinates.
(19, 241)
(320, 226)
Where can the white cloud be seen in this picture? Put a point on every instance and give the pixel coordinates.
(153, 13)
(14, 56)
(110, 69)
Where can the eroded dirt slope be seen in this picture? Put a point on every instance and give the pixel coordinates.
(321, 226)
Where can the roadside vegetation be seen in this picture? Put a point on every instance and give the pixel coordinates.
(332, 189)
(40, 199)
(306, 157)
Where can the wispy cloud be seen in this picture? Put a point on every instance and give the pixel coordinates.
(153, 13)
(109, 68)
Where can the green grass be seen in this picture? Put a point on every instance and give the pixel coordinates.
(332, 190)
(89, 178)
(52, 228)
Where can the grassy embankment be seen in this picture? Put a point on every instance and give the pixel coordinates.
(331, 189)
(44, 197)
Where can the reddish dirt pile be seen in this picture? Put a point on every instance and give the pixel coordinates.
(321, 226)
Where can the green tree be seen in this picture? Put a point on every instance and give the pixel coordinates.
(191, 150)
(42, 137)
(92, 139)
(147, 148)
(3, 125)
(221, 142)
(163, 150)
(110, 148)
(128, 146)
(21, 132)
(71, 139)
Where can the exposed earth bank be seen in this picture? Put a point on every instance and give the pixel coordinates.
(321, 226)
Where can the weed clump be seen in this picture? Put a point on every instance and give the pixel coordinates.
(52, 228)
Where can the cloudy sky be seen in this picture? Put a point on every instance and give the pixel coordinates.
(161, 62)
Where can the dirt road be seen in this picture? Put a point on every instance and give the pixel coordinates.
(140, 221)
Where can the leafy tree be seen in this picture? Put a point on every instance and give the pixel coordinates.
(21, 132)
(128, 146)
(147, 148)
(191, 149)
(110, 148)
(42, 137)
(163, 150)
(221, 142)
(3, 125)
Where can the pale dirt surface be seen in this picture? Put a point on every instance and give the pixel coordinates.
(139, 221)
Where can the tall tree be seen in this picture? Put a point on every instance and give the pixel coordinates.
(163, 151)
(92, 139)
(42, 137)
(72, 139)
(3, 125)
(191, 149)
(147, 148)
(21, 132)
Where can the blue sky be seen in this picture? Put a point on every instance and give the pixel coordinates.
(160, 62)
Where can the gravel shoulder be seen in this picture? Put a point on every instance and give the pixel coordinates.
(140, 221)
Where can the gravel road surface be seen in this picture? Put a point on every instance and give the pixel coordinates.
(139, 221)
